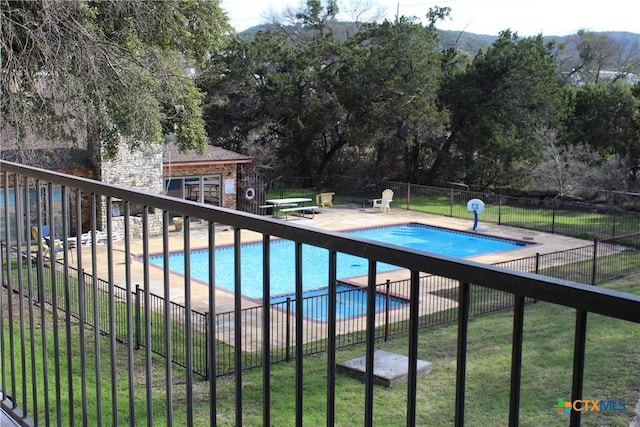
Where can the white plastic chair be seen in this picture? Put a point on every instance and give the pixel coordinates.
(324, 199)
(385, 202)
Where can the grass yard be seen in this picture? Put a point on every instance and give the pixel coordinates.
(581, 224)
(612, 366)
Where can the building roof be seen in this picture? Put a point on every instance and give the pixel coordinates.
(55, 154)
(212, 154)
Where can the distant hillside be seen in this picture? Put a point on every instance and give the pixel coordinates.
(472, 43)
(465, 42)
(630, 42)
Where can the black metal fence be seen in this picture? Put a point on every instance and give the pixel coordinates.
(546, 214)
(596, 263)
(106, 306)
(48, 378)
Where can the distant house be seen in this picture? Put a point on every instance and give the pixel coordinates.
(209, 177)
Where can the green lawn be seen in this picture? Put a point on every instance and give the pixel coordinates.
(612, 366)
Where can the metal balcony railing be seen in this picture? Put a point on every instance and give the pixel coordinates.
(57, 371)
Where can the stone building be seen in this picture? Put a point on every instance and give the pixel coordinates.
(209, 177)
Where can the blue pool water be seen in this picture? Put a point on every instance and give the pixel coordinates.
(350, 301)
(316, 260)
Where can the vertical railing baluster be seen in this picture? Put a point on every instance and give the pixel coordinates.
(148, 354)
(288, 329)
(137, 310)
(237, 317)
(6, 267)
(580, 345)
(266, 330)
(331, 338)
(31, 282)
(387, 308)
(19, 218)
(131, 310)
(370, 344)
(41, 300)
(188, 322)
(112, 315)
(96, 309)
(461, 370)
(516, 360)
(67, 304)
(82, 318)
(451, 202)
(594, 262)
(299, 336)
(414, 300)
(212, 346)
(168, 319)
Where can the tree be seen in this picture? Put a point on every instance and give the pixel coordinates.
(606, 118)
(571, 169)
(392, 95)
(94, 72)
(497, 105)
(599, 58)
(327, 105)
(277, 91)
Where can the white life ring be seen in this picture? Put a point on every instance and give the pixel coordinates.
(250, 193)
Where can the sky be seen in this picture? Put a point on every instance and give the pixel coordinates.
(526, 17)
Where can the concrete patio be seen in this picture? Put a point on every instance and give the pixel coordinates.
(337, 218)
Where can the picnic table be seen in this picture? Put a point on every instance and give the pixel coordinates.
(289, 204)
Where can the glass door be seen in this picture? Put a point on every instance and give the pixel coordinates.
(210, 189)
(203, 189)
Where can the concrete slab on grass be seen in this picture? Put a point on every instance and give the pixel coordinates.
(389, 369)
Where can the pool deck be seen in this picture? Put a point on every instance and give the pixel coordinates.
(336, 218)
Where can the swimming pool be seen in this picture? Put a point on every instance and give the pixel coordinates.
(316, 260)
(350, 301)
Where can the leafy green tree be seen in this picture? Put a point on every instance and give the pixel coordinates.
(498, 104)
(329, 106)
(232, 80)
(97, 71)
(276, 91)
(606, 118)
(392, 93)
